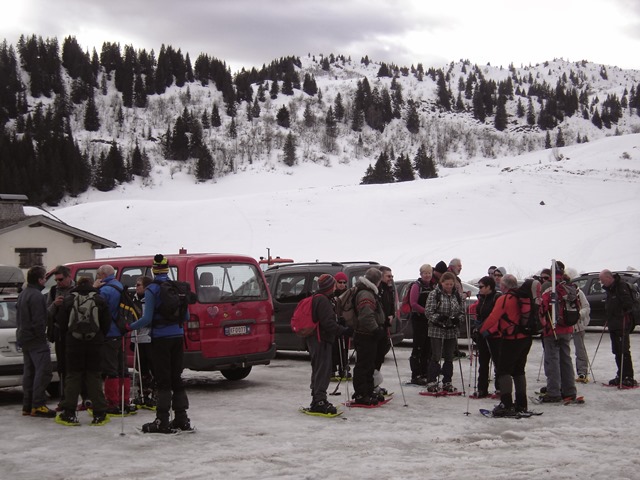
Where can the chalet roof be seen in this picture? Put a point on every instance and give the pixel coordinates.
(78, 235)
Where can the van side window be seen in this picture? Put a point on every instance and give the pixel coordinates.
(290, 288)
(229, 282)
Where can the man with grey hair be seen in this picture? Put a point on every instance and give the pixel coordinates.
(368, 332)
(618, 305)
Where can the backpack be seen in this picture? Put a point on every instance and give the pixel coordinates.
(302, 322)
(346, 306)
(635, 308)
(568, 304)
(84, 319)
(529, 299)
(128, 312)
(175, 298)
(405, 306)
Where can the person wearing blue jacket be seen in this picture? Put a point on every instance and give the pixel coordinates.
(167, 341)
(113, 367)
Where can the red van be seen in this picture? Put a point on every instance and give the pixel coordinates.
(231, 326)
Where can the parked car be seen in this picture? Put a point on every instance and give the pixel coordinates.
(404, 323)
(290, 283)
(11, 360)
(231, 324)
(590, 285)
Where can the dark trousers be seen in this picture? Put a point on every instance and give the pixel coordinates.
(366, 350)
(61, 359)
(167, 363)
(421, 352)
(620, 348)
(113, 365)
(320, 368)
(383, 347)
(36, 376)
(511, 365)
(442, 348)
(488, 349)
(83, 369)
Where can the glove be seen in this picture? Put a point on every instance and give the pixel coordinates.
(485, 334)
(475, 335)
(347, 332)
(455, 321)
(387, 322)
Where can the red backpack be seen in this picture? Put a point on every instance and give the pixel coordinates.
(302, 322)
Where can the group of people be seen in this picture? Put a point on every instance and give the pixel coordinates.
(438, 310)
(94, 365)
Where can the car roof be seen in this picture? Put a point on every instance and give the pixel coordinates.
(310, 265)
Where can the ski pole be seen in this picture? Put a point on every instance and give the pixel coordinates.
(340, 352)
(122, 387)
(621, 357)
(584, 349)
(541, 360)
(600, 340)
(347, 371)
(395, 360)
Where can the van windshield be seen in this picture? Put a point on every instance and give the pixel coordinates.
(229, 282)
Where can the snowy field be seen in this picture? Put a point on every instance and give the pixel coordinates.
(252, 429)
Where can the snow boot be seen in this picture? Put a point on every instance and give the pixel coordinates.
(322, 406)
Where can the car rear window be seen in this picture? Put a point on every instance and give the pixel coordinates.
(7, 314)
(229, 282)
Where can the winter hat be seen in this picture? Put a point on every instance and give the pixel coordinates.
(325, 283)
(559, 267)
(502, 270)
(160, 264)
(340, 277)
(441, 267)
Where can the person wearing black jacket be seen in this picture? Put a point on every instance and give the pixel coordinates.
(387, 297)
(488, 348)
(618, 305)
(83, 358)
(320, 344)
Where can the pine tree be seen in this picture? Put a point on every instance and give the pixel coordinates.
(338, 108)
(369, 175)
(382, 172)
(215, 116)
(275, 89)
(413, 119)
(547, 141)
(233, 130)
(91, 118)
(531, 113)
(309, 85)
(104, 179)
(444, 96)
(308, 116)
(282, 117)
(424, 164)
(596, 120)
(204, 166)
(500, 121)
(402, 169)
(560, 138)
(289, 150)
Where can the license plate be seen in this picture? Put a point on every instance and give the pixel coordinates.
(239, 330)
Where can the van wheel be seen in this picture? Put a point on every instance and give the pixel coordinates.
(236, 373)
(53, 389)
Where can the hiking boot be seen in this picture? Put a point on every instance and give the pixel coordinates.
(185, 424)
(480, 394)
(128, 410)
(614, 381)
(68, 418)
(432, 387)
(502, 410)
(380, 391)
(100, 419)
(419, 381)
(543, 390)
(364, 400)
(629, 382)
(26, 412)
(157, 426)
(551, 399)
(321, 406)
(521, 409)
(582, 379)
(43, 412)
(448, 387)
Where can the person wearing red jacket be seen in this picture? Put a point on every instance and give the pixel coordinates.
(514, 349)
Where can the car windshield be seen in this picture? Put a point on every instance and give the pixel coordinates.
(229, 282)
(7, 314)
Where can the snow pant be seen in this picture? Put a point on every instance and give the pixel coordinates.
(582, 359)
(511, 365)
(558, 366)
(83, 369)
(440, 348)
(113, 365)
(421, 352)
(340, 355)
(167, 363)
(320, 368)
(366, 350)
(36, 376)
(488, 349)
(620, 348)
(383, 347)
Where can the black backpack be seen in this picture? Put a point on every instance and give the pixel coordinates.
(175, 297)
(128, 312)
(568, 303)
(84, 318)
(529, 298)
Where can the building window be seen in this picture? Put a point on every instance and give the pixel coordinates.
(30, 257)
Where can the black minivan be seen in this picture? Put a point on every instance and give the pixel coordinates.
(290, 283)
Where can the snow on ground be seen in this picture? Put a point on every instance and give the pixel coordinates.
(251, 429)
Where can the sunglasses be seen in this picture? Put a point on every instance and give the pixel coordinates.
(481, 286)
(342, 282)
(546, 278)
(59, 279)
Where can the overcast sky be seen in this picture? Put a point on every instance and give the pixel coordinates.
(247, 33)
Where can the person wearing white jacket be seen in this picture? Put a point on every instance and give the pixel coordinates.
(582, 359)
